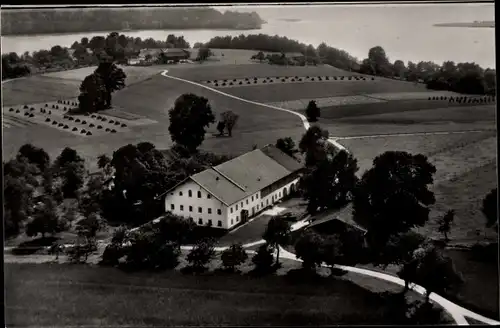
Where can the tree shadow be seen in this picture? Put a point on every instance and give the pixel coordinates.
(33, 246)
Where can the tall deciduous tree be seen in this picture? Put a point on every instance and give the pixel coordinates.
(393, 196)
(189, 118)
(113, 78)
(233, 256)
(71, 168)
(313, 144)
(92, 94)
(229, 118)
(35, 155)
(203, 53)
(490, 208)
(331, 181)
(45, 219)
(277, 233)
(201, 254)
(309, 249)
(287, 146)
(445, 223)
(312, 111)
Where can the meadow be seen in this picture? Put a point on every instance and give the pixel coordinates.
(63, 294)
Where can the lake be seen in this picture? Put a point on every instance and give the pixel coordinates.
(406, 32)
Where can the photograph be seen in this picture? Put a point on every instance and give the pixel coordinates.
(293, 164)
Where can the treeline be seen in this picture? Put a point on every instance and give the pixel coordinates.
(83, 53)
(39, 21)
(467, 78)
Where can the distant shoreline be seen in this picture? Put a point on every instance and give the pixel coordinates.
(485, 24)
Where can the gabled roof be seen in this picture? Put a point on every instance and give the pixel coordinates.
(245, 175)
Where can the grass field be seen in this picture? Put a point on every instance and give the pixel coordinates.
(59, 294)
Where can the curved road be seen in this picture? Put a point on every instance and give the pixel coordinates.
(457, 312)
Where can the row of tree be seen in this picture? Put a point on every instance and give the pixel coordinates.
(468, 78)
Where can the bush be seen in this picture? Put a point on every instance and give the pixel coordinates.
(327, 78)
(11, 109)
(234, 256)
(263, 259)
(84, 122)
(77, 120)
(17, 111)
(201, 254)
(93, 116)
(47, 119)
(373, 78)
(117, 123)
(60, 124)
(32, 115)
(112, 254)
(64, 108)
(264, 81)
(46, 105)
(111, 121)
(25, 113)
(91, 125)
(234, 80)
(255, 81)
(113, 131)
(66, 127)
(293, 80)
(57, 107)
(32, 109)
(53, 106)
(248, 82)
(230, 83)
(124, 125)
(54, 123)
(71, 118)
(99, 127)
(312, 79)
(25, 107)
(104, 119)
(240, 83)
(107, 130)
(75, 129)
(282, 80)
(216, 84)
(89, 133)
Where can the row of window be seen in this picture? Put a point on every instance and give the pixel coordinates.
(241, 204)
(190, 194)
(274, 197)
(200, 209)
(219, 222)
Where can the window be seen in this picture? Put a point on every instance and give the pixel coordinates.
(279, 195)
(252, 198)
(190, 193)
(199, 210)
(172, 207)
(236, 206)
(231, 221)
(200, 221)
(267, 202)
(262, 204)
(219, 223)
(257, 196)
(209, 211)
(182, 207)
(190, 208)
(209, 196)
(241, 204)
(231, 209)
(257, 207)
(247, 201)
(219, 211)
(180, 193)
(237, 219)
(199, 194)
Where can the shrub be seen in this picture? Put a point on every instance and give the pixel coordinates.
(124, 125)
(246, 79)
(224, 84)
(264, 81)
(57, 107)
(99, 117)
(89, 133)
(104, 119)
(32, 115)
(32, 109)
(282, 80)
(248, 82)
(225, 80)
(201, 254)
(111, 121)
(53, 106)
(25, 107)
(349, 78)
(373, 78)
(107, 130)
(77, 120)
(93, 116)
(230, 83)
(75, 129)
(293, 80)
(60, 124)
(54, 122)
(91, 125)
(327, 78)
(17, 111)
(25, 113)
(46, 105)
(66, 127)
(240, 83)
(263, 259)
(71, 118)
(83, 131)
(307, 77)
(11, 109)
(271, 81)
(234, 80)
(112, 254)
(113, 131)
(319, 79)
(209, 82)
(117, 123)
(216, 84)
(47, 119)
(234, 256)
(255, 81)
(84, 122)
(215, 81)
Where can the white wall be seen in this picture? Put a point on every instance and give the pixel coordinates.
(174, 198)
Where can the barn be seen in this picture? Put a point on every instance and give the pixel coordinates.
(228, 194)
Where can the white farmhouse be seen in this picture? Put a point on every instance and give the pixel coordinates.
(228, 194)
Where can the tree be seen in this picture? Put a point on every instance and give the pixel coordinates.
(104, 163)
(332, 251)
(379, 62)
(490, 208)
(263, 259)
(189, 118)
(233, 256)
(434, 271)
(287, 146)
(113, 78)
(312, 111)
(393, 196)
(313, 144)
(445, 223)
(92, 94)
(221, 125)
(399, 69)
(175, 229)
(91, 196)
(331, 181)
(71, 168)
(229, 118)
(35, 155)
(277, 233)
(203, 53)
(45, 219)
(309, 249)
(201, 254)
(260, 56)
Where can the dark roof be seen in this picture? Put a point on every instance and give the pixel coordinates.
(245, 175)
(343, 215)
(285, 160)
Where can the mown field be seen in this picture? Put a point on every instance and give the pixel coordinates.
(62, 295)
